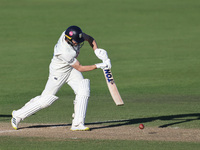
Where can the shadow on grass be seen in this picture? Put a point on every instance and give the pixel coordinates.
(175, 119)
(5, 117)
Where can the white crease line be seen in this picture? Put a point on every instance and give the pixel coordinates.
(5, 131)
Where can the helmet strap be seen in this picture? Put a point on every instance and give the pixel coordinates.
(71, 43)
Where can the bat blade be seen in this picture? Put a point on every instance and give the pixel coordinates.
(112, 87)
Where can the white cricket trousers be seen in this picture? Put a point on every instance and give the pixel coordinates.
(54, 83)
(75, 80)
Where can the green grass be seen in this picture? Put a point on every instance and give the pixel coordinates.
(153, 46)
(11, 143)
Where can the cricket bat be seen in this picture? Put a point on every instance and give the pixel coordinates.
(112, 87)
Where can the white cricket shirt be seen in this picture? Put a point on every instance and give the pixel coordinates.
(64, 57)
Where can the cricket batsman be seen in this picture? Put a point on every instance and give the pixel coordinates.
(65, 68)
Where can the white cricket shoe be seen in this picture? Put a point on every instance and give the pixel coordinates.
(79, 127)
(15, 121)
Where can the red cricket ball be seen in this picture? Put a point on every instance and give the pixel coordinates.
(141, 126)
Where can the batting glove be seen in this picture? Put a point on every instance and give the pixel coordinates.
(108, 63)
(101, 54)
(101, 65)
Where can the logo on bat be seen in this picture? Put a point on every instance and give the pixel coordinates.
(109, 76)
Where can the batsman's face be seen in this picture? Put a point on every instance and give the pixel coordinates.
(74, 43)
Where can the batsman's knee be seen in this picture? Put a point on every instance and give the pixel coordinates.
(47, 100)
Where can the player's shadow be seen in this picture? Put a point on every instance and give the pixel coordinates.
(5, 117)
(174, 119)
(46, 126)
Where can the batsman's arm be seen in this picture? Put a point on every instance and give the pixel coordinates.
(100, 53)
(90, 40)
(81, 68)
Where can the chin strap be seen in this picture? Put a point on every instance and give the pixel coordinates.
(70, 42)
(77, 47)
